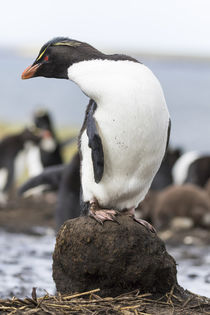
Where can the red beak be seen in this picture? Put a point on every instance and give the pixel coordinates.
(30, 71)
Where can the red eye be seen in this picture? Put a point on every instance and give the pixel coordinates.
(46, 58)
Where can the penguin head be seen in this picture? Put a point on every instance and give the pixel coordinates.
(57, 55)
(42, 119)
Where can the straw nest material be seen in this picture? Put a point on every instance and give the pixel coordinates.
(177, 301)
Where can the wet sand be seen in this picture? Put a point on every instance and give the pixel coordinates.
(24, 215)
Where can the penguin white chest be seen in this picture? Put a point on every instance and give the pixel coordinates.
(132, 121)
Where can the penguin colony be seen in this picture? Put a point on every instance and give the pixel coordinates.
(126, 129)
(28, 153)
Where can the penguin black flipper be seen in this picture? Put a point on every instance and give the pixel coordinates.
(95, 143)
(168, 138)
(169, 133)
(51, 177)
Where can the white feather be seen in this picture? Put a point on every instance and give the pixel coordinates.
(48, 144)
(132, 120)
(180, 168)
(19, 164)
(3, 178)
(33, 161)
(3, 182)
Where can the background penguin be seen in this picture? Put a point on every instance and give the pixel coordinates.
(12, 159)
(68, 203)
(66, 180)
(50, 178)
(199, 171)
(189, 201)
(46, 178)
(164, 177)
(192, 167)
(126, 128)
(50, 149)
(181, 166)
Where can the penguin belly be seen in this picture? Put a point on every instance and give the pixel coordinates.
(132, 120)
(3, 182)
(134, 143)
(3, 178)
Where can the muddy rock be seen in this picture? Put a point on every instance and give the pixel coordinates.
(116, 258)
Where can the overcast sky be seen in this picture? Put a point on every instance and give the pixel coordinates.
(178, 26)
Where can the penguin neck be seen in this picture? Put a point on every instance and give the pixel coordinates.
(100, 79)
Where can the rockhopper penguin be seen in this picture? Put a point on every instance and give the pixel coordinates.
(13, 151)
(50, 148)
(126, 129)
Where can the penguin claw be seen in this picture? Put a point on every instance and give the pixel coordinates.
(146, 224)
(102, 215)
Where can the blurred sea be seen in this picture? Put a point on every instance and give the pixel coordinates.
(186, 84)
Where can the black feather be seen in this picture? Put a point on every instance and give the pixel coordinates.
(95, 144)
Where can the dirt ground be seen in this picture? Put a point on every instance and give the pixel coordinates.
(23, 215)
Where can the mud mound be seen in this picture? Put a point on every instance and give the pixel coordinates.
(117, 258)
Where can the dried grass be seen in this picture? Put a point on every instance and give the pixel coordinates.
(90, 303)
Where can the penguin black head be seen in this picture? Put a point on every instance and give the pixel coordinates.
(42, 119)
(57, 55)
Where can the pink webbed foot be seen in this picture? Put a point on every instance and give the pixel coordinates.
(101, 215)
(147, 225)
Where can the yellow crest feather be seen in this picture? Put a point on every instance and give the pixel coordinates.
(42, 53)
(71, 44)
